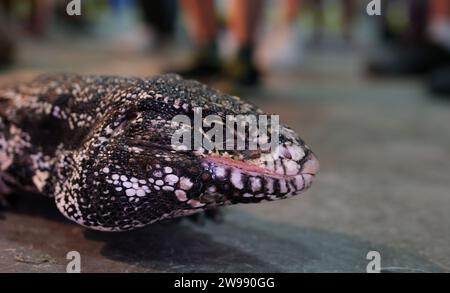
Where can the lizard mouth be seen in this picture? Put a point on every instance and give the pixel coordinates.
(279, 179)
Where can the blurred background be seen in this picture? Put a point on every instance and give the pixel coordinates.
(369, 94)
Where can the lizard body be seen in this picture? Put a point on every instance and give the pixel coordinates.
(101, 147)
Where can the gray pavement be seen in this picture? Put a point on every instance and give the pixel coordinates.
(384, 148)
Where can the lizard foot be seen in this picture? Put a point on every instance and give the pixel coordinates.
(5, 189)
(215, 215)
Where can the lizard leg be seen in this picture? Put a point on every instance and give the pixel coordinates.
(7, 184)
(5, 190)
(215, 215)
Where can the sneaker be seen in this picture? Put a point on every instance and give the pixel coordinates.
(409, 60)
(205, 64)
(242, 70)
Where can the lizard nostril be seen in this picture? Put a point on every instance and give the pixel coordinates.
(285, 153)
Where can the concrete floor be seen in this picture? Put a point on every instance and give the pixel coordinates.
(384, 148)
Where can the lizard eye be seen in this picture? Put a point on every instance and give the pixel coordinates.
(122, 123)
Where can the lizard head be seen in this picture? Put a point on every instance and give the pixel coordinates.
(209, 175)
(285, 170)
(139, 164)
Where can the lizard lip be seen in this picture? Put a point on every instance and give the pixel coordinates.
(254, 182)
(310, 167)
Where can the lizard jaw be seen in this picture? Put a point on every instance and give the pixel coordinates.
(253, 183)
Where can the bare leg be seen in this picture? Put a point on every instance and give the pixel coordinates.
(440, 10)
(205, 63)
(245, 19)
(203, 19)
(246, 15)
(439, 23)
(41, 11)
(290, 11)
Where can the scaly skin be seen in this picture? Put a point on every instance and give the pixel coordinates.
(101, 146)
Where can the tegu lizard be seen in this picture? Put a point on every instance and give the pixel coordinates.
(101, 147)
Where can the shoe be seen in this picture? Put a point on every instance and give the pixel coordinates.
(6, 51)
(412, 60)
(205, 64)
(439, 82)
(242, 70)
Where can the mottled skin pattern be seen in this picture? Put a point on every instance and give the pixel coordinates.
(101, 147)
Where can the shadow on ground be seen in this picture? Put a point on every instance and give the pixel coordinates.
(35, 237)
